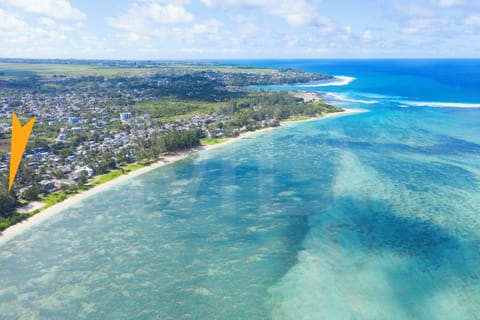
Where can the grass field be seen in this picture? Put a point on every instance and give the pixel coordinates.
(212, 141)
(225, 69)
(116, 173)
(22, 70)
(167, 110)
(299, 118)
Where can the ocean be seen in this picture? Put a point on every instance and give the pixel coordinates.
(373, 215)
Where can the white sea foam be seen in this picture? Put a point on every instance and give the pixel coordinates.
(336, 81)
(344, 98)
(439, 104)
(380, 96)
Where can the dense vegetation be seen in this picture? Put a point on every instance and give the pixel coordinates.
(158, 143)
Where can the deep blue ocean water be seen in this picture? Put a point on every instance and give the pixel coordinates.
(367, 216)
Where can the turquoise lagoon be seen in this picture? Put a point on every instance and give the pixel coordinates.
(367, 216)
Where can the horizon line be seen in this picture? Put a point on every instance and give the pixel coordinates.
(233, 59)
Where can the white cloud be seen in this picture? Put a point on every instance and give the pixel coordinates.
(314, 51)
(79, 25)
(231, 50)
(237, 4)
(169, 14)
(415, 19)
(172, 23)
(50, 23)
(346, 33)
(367, 36)
(58, 9)
(192, 50)
(209, 27)
(15, 30)
(297, 13)
(248, 34)
(10, 22)
(144, 18)
(449, 3)
(240, 19)
(423, 26)
(291, 40)
(414, 10)
(473, 20)
(176, 2)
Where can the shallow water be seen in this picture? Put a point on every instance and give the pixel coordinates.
(368, 216)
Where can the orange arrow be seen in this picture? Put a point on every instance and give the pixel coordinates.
(20, 137)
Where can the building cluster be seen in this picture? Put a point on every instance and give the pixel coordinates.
(81, 129)
(88, 125)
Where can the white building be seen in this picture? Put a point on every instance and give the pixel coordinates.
(73, 120)
(125, 116)
(61, 137)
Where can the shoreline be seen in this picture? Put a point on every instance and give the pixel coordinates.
(44, 214)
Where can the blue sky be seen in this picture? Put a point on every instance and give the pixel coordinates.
(225, 29)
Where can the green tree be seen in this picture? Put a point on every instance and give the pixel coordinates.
(8, 200)
(31, 193)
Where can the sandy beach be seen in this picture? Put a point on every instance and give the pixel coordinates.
(18, 228)
(307, 96)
